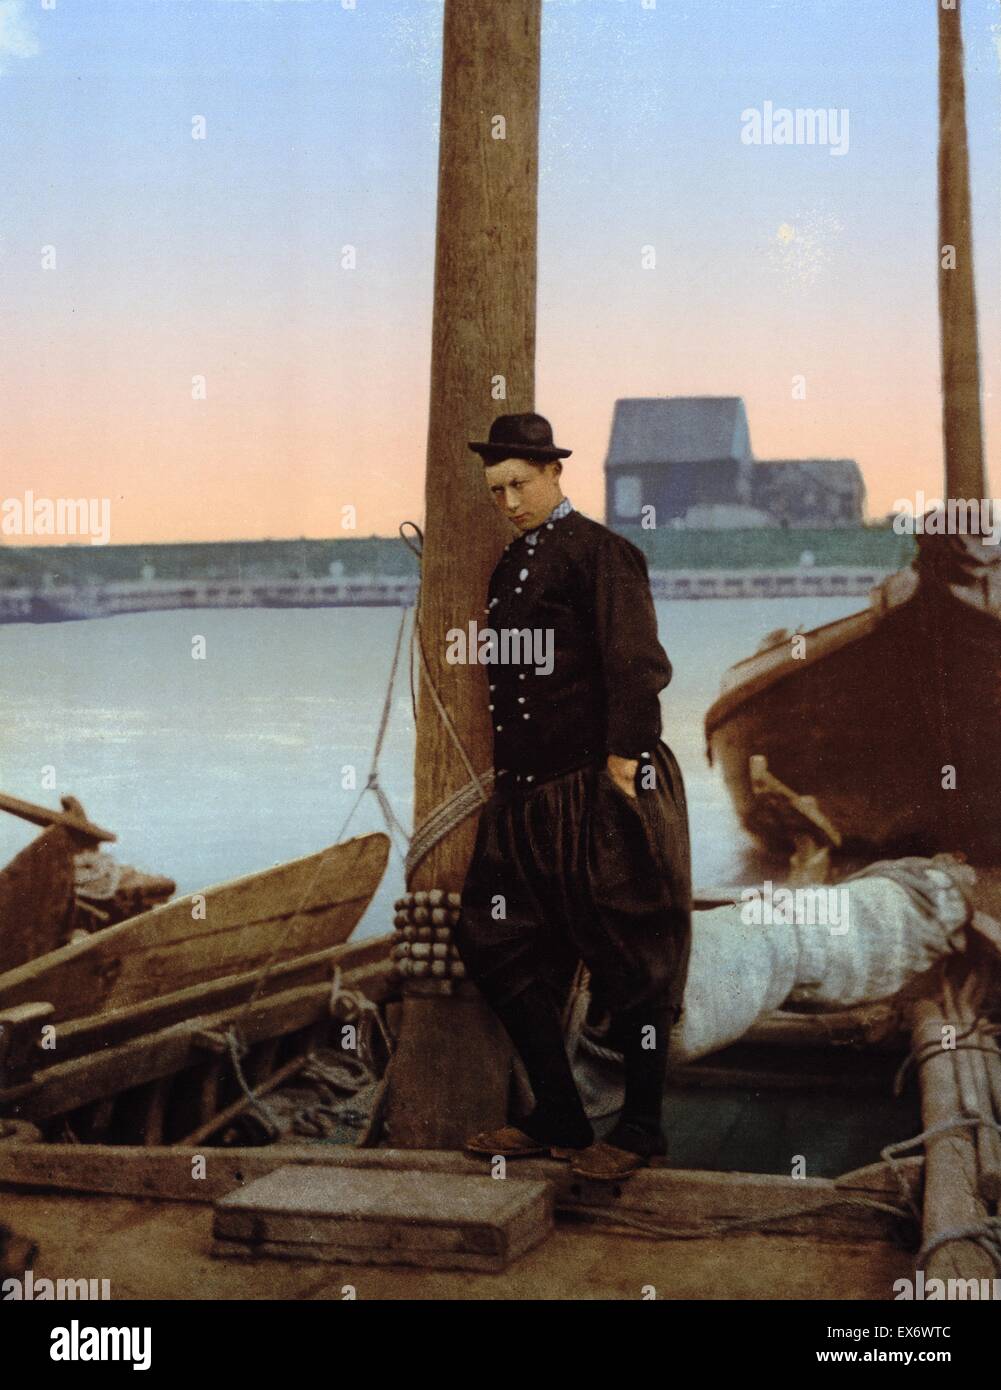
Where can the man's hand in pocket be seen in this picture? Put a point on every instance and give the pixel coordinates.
(623, 773)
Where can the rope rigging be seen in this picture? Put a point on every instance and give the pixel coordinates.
(444, 818)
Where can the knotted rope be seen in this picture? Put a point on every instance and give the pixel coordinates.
(269, 1117)
(351, 1006)
(924, 1052)
(986, 1235)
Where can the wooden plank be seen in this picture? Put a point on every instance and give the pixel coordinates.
(663, 1197)
(884, 1177)
(20, 1032)
(100, 1119)
(304, 1251)
(754, 1079)
(992, 1059)
(156, 1106)
(951, 1202)
(71, 819)
(209, 1081)
(213, 1123)
(389, 1216)
(365, 966)
(259, 1067)
(975, 1089)
(786, 811)
(36, 899)
(68, 1085)
(292, 910)
(705, 898)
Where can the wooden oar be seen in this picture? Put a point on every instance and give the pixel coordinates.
(72, 817)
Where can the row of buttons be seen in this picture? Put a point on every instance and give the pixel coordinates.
(533, 540)
(522, 575)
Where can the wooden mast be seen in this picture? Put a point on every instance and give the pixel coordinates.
(450, 1072)
(951, 1201)
(961, 419)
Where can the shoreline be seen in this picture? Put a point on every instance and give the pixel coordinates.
(78, 602)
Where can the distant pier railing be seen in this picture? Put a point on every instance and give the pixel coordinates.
(804, 582)
(54, 603)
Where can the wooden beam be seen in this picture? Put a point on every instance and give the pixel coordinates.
(365, 967)
(483, 332)
(905, 1175)
(951, 1201)
(777, 810)
(156, 1106)
(213, 1124)
(250, 924)
(962, 426)
(700, 1076)
(483, 328)
(36, 898)
(974, 1089)
(20, 1032)
(67, 1085)
(71, 819)
(652, 1202)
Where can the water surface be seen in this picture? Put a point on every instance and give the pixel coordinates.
(210, 769)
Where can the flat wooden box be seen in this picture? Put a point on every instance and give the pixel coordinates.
(356, 1216)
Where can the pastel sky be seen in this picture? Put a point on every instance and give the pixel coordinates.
(221, 257)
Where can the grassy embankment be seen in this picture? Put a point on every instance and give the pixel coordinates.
(665, 550)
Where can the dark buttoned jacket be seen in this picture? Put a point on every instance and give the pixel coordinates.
(581, 594)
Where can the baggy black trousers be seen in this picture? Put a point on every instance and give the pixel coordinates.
(575, 869)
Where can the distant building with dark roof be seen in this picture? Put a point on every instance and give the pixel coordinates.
(809, 492)
(690, 459)
(674, 453)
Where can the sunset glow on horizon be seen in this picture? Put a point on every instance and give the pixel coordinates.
(184, 337)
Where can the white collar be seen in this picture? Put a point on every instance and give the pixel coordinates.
(561, 510)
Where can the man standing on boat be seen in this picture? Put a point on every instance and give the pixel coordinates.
(582, 853)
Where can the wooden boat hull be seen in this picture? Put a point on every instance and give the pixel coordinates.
(156, 1072)
(36, 897)
(295, 909)
(871, 719)
(146, 1011)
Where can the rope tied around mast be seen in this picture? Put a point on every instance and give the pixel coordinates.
(450, 813)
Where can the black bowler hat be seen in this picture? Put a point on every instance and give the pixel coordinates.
(525, 436)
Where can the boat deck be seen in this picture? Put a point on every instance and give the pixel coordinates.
(161, 1250)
